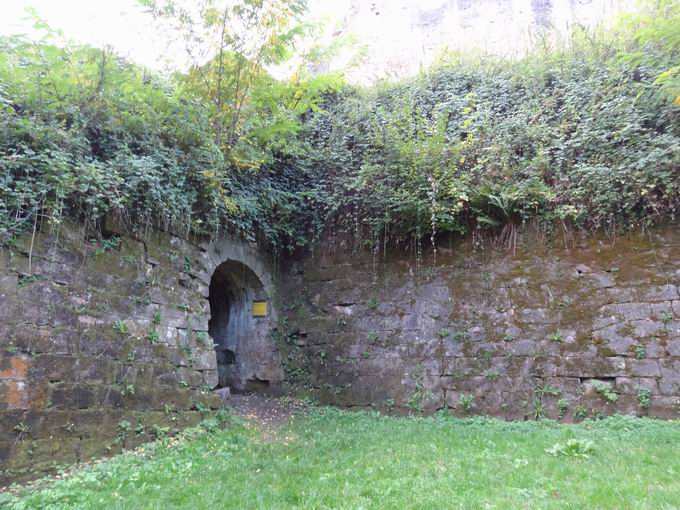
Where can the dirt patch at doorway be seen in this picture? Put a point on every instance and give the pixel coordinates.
(268, 413)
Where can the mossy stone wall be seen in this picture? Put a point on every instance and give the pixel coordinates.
(556, 326)
(101, 346)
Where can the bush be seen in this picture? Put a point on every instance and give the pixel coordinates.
(583, 134)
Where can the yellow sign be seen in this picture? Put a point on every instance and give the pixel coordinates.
(259, 308)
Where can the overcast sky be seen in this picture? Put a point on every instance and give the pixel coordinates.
(399, 36)
(119, 23)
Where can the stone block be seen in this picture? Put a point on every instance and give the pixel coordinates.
(654, 348)
(210, 378)
(209, 400)
(574, 366)
(536, 316)
(205, 359)
(10, 418)
(661, 293)
(542, 367)
(14, 395)
(53, 368)
(631, 385)
(624, 295)
(643, 367)
(43, 454)
(673, 348)
(175, 318)
(198, 322)
(521, 347)
(190, 377)
(140, 374)
(669, 383)
(72, 396)
(616, 339)
(634, 311)
(647, 328)
(103, 341)
(13, 366)
(223, 394)
(676, 307)
(664, 407)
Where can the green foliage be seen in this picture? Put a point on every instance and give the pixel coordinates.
(539, 409)
(443, 332)
(153, 336)
(492, 375)
(581, 411)
(85, 133)
(203, 338)
(25, 281)
(655, 28)
(568, 135)
(121, 327)
(577, 448)
(130, 259)
(373, 337)
(230, 44)
(466, 402)
(606, 391)
(159, 432)
(124, 429)
(581, 134)
(22, 430)
(547, 390)
(105, 245)
(556, 337)
(562, 407)
(419, 398)
(332, 459)
(644, 397)
(187, 264)
(128, 389)
(210, 425)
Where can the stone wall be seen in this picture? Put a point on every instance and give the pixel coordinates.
(105, 344)
(563, 328)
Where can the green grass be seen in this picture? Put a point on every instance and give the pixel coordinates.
(331, 459)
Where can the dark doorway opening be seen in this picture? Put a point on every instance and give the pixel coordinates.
(237, 334)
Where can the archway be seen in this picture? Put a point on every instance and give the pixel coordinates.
(240, 313)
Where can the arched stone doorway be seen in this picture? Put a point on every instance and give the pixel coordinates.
(241, 320)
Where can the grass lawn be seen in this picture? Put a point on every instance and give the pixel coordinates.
(334, 459)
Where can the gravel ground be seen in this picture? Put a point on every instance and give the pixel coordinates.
(267, 412)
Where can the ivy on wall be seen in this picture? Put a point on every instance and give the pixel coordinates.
(585, 134)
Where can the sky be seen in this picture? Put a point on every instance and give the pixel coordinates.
(395, 37)
(122, 24)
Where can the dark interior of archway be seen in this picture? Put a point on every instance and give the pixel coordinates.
(218, 325)
(233, 286)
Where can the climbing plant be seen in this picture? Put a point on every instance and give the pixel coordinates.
(577, 134)
(585, 133)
